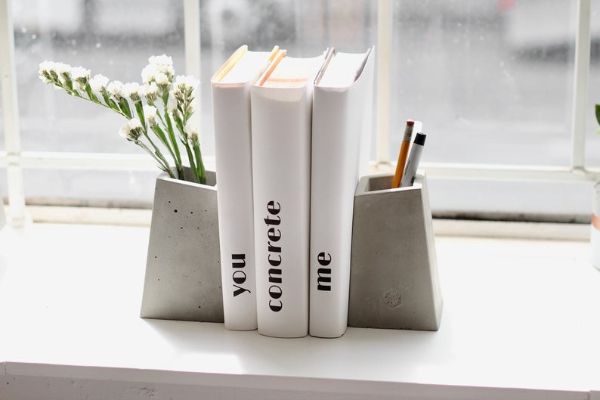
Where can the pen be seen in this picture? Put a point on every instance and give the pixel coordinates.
(403, 153)
(413, 160)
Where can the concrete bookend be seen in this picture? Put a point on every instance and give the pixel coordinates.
(183, 275)
(394, 281)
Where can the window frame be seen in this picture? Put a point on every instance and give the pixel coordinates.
(15, 160)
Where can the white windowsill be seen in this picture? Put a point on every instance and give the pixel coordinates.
(521, 320)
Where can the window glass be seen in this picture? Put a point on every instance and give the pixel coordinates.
(121, 189)
(303, 28)
(592, 125)
(491, 80)
(114, 38)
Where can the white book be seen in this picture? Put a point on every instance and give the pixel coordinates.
(231, 111)
(281, 132)
(342, 102)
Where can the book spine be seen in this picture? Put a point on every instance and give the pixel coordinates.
(281, 128)
(231, 108)
(335, 148)
(338, 138)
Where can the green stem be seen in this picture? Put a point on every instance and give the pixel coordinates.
(156, 149)
(174, 144)
(186, 144)
(95, 99)
(110, 104)
(192, 163)
(163, 138)
(162, 166)
(201, 172)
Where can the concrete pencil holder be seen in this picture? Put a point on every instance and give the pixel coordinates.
(394, 281)
(183, 275)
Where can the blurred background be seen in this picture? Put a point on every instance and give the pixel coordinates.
(491, 80)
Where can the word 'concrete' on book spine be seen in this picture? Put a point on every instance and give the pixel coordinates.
(273, 220)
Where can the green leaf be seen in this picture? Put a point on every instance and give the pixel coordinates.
(124, 106)
(161, 135)
(139, 108)
(90, 93)
(109, 102)
(598, 113)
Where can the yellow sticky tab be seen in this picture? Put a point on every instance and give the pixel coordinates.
(230, 63)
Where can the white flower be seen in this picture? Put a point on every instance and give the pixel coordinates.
(50, 70)
(167, 70)
(115, 88)
(134, 123)
(80, 73)
(62, 69)
(186, 83)
(98, 83)
(148, 73)
(47, 71)
(81, 76)
(46, 67)
(150, 113)
(132, 90)
(161, 79)
(124, 131)
(150, 92)
(192, 131)
(163, 64)
(159, 70)
(131, 130)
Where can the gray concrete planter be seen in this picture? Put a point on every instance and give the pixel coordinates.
(394, 280)
(183, 275)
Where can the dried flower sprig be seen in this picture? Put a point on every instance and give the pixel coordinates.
(160, 108)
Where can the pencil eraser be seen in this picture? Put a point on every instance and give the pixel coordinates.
(410, 122)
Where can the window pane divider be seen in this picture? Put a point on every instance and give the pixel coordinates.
(191, 21)
(141, 162)
(91, 161)
(12, 138)
(581, 81)
(383, 53)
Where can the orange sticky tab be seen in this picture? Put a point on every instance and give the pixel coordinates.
(276, 60)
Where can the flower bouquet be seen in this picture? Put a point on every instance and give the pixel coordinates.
(158, 111)
(183, 276)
